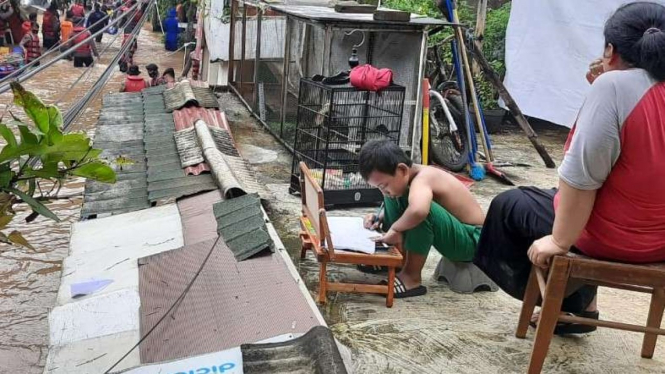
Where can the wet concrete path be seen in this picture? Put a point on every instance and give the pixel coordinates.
(29, 280)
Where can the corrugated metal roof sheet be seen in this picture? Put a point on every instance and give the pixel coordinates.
(314, 352)
(184, 94)
(165, 176)
(190, 151)
(240, 222)
(185, 118)
(119, 134)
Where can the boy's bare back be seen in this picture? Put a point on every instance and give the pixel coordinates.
(439, 186)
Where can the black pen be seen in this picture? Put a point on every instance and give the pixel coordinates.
(378, 214)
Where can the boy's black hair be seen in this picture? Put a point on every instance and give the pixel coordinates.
(32, 16)
(382, 156)
(637, 32)
(169, 71)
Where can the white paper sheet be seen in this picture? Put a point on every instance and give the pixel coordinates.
(348, 233)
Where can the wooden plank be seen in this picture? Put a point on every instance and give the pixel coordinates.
(391, 15)
(354, 7)
(610, 324)
(618, 273)
(357, 288)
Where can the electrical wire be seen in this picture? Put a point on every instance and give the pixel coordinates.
(70, 116)
(22, 78)
(48, 52)
(87, 71)
(174, 305)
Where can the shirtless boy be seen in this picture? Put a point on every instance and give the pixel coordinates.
(423, 207)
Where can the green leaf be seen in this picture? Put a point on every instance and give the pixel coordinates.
(27, 136)
(17, 238)
(5, 219)
(33, 107)
(8, 135)
(96, 170)
(55, 116)
(44, 172)
(4, 239)
(32, 185)
(6, 177)
(54, 135)
(10, 153)
(34, 204)
(72, 147)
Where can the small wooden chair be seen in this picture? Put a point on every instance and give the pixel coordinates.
(315, 236)
(648, 278)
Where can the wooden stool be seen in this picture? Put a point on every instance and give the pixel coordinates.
(315, 236)
(648, 278)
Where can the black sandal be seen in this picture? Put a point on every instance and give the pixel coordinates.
(568, 328)
(400, 291)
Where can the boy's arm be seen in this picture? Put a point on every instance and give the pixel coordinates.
(420, 201)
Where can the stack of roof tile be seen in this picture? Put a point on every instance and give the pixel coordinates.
(240, 221)
(119, 134)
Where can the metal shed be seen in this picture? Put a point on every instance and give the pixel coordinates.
(317, 40)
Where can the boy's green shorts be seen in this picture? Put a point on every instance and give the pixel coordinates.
(453, 239)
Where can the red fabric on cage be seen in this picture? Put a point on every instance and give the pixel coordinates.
(367, 77)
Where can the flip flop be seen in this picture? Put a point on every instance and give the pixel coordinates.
(402, 293)
(567, 328)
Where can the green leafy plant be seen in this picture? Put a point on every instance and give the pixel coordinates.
(494, 38)
(42, 154)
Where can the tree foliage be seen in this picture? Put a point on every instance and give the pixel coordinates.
(40, 153)
(494, 39)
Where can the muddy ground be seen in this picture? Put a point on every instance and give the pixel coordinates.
(445, 332)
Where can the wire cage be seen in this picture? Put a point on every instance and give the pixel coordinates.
(333, 124)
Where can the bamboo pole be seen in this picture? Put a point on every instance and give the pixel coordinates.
(479, 33)
(494, 78)
(472, 89)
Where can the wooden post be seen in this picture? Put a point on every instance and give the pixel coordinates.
(479, 34)
(494, 78)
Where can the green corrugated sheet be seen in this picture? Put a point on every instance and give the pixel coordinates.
(166, 178)
(119, 134)
(241, 223)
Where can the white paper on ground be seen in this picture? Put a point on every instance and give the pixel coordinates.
(348, 233)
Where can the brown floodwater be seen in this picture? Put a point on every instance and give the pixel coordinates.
(29, 280)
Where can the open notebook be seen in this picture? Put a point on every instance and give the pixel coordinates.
(349, 234)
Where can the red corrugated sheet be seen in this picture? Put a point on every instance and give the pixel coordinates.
(184, 118)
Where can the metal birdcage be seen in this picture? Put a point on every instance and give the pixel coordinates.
(333, 123)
